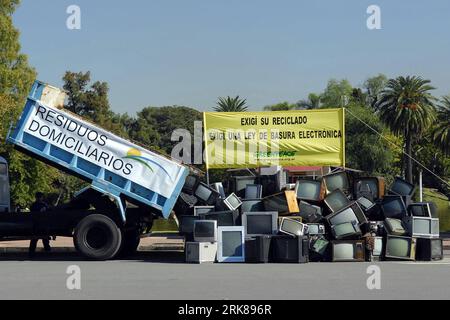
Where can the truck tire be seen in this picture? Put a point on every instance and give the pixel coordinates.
(97, 237)
(130, 243)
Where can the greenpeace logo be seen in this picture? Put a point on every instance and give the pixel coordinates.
(275, 154)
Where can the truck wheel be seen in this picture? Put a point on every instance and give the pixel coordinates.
(130, 243)
(97, 237)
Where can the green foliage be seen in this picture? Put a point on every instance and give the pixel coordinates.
(229, 104)
(441, 131)
(313, 102)
(374, 86)
(337, 94)
(282, 106)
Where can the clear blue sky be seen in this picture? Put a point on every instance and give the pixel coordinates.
(189, 52)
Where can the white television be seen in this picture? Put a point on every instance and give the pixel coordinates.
(231, 245)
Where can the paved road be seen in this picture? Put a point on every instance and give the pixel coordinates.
(164, 276)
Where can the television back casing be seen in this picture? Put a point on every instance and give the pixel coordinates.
(285, 203)
(258, 248)
(395, 232)
(424, 250)
(359, 251)
(201, 252)
(288, 249)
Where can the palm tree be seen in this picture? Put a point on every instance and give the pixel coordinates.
(313, 102)
(441, 133)
(229, 104)
(406, 107)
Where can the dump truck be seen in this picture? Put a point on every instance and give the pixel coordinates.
(128, 185)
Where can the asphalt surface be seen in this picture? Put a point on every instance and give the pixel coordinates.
(163, 275)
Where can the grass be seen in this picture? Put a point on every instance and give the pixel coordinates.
(163, 225)
(443, 205)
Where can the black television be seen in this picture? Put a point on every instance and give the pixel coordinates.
(393, 207)
(429, 249)
(253, 191)
(337, 180)
(402, 187)
(353, 212)
(198, 210)
(255, 205)
(190, 184)
(346, 230)
(238, 184)
(373, 186)
(185, 204)
(223, 218)
(310, 190)
(186, 226)
(336, 200)
(284, 203)
(423, 209)
(287, 249)
(258, 248)
(318, 247)
(206, 194)
(310, 213)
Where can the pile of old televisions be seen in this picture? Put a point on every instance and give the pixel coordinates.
(331, 219)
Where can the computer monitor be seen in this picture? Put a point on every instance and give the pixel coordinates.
(376, 186)
(348, 251)
(253, 191)
(218, 186)
(190, 184)
(424, 209)
(232, 202)
(293, 227)
(240, 183)
(393, 207)
(337, 180)
(284, 203)
(231, 244)
(348, 214)
(310, 190)
(395, 227)
(400, 248)
(402, 188)
(186, 224)
(205, 231)
(429, 249)
(255, 205)
(223, 218)
(423, 227)
(315, 229)
(310, 213)
(199, 210)
(346, 230)
(365, 204)
(336, 200)
(257, 223)
(206, 194)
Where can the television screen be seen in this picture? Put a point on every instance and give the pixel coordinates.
(292, 227)
(336, 201)
(253, 191)
(393, 207)
(402, 187)
(190, 184)
(252, 206)
(259, 224)
(232, 244)
(422, 226)
(233, 202)
(370, 185)
(336, 181)
(316, 229)
(205, 231)
(203, 209)
(365, 203)
(347, 215)
(398, 247)
(310, 213)
(320, 246)
(187, 224)
(345, 229)
(242, 182)
(343, 251)
(203, 192)
(308, 190)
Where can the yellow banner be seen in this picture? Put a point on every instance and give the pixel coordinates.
(285, 138)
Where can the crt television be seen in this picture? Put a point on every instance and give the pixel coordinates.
(206, 194)
(231, 244)
(423, 227)
(199, 210)
(310, 190)
(257, 223)
(205, 231)
(218, 186)
(424, 209)
(253, 191)
(315, 229)
(255, 205)
(186, 224)
(400, 248)
(336, 201)
(288, 249)
(346, 230)
(293, 227)
(429, 249)
(376, 186)
(232, 202)
(191, 184)
(348, 251)
(393, 206)
(223, 218)
(310, 213)
(284, 203)
(348, 214)
(395, 227)
(365, 204)
(238, 184)
(402, 187)
(337, 180)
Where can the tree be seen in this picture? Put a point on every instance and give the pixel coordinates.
(313, 102)
(374, 86)
(282, 106)
(337, 94)
(406, 107)
(441, 132)
(229, 104)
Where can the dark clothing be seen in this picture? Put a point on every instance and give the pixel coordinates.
(39, 206)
